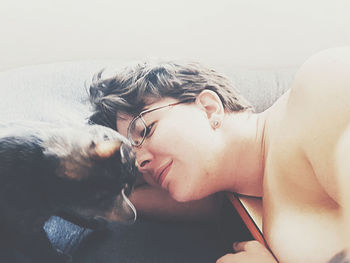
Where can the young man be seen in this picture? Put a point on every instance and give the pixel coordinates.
(195, 136)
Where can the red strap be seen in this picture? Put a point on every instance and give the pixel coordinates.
(247, 219)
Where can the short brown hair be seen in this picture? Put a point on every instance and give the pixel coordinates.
(135, 87)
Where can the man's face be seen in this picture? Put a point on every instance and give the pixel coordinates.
(178, 152)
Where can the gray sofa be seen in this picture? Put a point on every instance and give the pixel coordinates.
(42, 89)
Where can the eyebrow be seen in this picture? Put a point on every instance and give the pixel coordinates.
(146, 108)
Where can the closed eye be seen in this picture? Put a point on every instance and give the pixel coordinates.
(149, 130)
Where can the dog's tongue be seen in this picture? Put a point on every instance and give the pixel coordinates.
(105, 149)
(123, 211)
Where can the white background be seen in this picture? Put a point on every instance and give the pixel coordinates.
(236, 33)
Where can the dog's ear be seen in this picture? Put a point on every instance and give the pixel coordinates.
(105, 149)
(103, 120)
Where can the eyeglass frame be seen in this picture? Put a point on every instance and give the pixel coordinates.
(140, 116)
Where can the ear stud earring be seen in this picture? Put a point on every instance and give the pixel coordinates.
(215, 124)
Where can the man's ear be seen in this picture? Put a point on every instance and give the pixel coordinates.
(210, 102)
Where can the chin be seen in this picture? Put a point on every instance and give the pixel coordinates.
(181, 195)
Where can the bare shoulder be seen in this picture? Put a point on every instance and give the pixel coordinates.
(319, 98)
(324, 74)
(318, 108)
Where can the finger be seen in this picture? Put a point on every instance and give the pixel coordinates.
(246, 245)
(105, 149)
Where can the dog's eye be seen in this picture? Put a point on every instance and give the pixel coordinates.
(105, 137)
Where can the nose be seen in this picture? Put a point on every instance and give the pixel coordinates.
(143, 159)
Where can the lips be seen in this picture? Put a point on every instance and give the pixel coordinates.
(164, 170)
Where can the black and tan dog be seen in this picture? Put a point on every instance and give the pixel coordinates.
(72, 170)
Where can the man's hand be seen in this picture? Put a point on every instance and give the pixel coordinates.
(248, 252)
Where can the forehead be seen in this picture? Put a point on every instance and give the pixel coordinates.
(123, 119)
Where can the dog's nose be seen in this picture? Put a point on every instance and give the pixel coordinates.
(127, 154)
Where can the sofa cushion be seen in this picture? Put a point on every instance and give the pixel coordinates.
(262, 87)
(64, 85)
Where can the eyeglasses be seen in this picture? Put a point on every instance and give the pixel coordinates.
(138, 129)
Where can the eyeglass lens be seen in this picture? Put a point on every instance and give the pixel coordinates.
(137, 131)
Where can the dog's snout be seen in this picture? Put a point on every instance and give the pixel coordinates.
(127, 154)
(128, 159)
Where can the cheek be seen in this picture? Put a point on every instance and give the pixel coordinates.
(189, 144)
(190, 186)
(192, 178)
(188, 135)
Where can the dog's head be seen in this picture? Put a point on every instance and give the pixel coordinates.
(94, 171)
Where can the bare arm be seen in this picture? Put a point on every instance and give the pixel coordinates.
(343, 181)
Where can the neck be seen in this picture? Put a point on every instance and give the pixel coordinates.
(244, 153)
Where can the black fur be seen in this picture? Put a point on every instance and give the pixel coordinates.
(48, 169)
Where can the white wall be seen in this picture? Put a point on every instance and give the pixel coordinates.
(237, 33)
